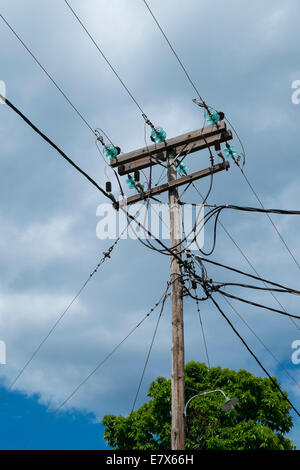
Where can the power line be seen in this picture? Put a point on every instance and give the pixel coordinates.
(253, 209)
(284, 395)
(259, 305)
(16, 110)
(188, 77)
(51, 143)
(175, 54)
(49, 76)
(205, 260)
(100, 364)
(106, 194)
(270, 219)
(105, 58)
(262, 342)
(249, 263)
(202, 329)
(150, 348)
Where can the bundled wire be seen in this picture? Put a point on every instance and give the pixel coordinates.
(253, 209)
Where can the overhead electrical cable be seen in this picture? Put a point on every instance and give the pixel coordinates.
(283, 394)
(262, 343)
(205, 260)
(250, 264)
(258, 305)
(175, 54)
(94, 131)
(49, 141)
(105, 58)
(270, 219)
(106, 194)
(52, 79)
(202, 329)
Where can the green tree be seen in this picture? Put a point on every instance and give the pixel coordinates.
(259, 421)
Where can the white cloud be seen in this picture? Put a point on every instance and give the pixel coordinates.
(228, 47)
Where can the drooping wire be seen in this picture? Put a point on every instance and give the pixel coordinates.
(150, 348)
(49, 141)
(258, 305)
(270, 219)
(262, 342)
(202, 329)
(275, 384)
(98, 366)
(249, 263)
(243, 273)
(105, 193)
(210, 286)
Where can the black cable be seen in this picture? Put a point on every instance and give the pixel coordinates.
(262, 343)
(16, 110)
(205, 260)
(259, 305)
(270, 219)
(286, 290)
(249, 263)
(109, 196)
(256, 272)
(150, 349)
(254, 209)
(284, 395)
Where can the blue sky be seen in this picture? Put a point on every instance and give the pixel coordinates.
(243, 58)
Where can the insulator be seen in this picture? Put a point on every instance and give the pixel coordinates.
(130, 181)
(181, 168)
(158, 135)
(212, 117)
(111, 151)
(137, 176)
(230, 152)
(108, 186)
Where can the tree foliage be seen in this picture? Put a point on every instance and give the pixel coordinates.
(260, 420)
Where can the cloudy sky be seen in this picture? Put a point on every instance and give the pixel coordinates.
(243, 57)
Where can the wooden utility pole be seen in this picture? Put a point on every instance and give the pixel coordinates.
(178, 401)
(153, 155)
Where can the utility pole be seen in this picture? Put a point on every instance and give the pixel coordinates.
(165, 152)
(177, 380)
